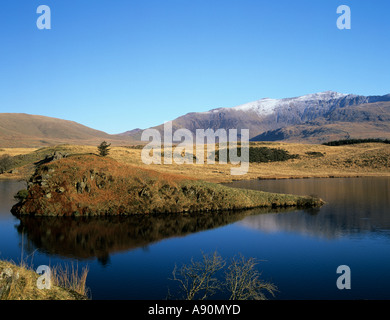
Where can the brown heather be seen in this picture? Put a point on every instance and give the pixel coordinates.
(87, 185)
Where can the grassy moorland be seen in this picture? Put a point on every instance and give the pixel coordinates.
(368, 159)
(312, 161)
(87, 185)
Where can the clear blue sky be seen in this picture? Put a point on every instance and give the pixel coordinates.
(115, 65)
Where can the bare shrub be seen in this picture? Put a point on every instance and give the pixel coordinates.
(243, 281)
(199, 280)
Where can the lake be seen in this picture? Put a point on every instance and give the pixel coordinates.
(133, 257)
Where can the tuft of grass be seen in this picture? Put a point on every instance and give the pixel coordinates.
(70, 278)
(19, 282)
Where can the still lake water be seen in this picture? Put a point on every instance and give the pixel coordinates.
(133, 257)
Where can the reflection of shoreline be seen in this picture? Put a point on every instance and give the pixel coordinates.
(90, 237)
(353, 207)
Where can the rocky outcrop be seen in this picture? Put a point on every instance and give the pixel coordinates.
(88, 185)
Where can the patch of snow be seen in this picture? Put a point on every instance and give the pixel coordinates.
(268, 106)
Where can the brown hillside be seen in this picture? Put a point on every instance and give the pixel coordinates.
(25, 130)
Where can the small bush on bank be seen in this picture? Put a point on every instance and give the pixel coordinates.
(21, 195)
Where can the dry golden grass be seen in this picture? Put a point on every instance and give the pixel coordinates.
(15, 151)
(341, 161)
(67, 284)
(71, 278)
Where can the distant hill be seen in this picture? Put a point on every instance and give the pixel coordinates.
(25, 130)
(313, 118)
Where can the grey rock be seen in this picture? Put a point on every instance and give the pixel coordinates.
(59, 155)
(60, 190)
(80, 186)
(7, 277)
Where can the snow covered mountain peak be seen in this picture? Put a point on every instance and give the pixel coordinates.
(327, 95)
(268, 106)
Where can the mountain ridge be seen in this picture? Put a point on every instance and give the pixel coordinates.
(311, 118)
(268, 115)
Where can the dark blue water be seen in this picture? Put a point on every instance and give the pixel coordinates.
(133, 257)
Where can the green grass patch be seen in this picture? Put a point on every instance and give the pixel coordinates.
(8, 163)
